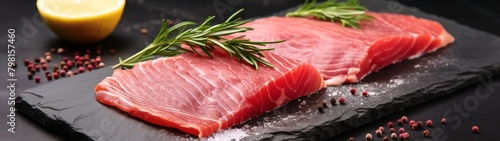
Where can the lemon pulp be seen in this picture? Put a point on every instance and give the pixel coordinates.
(81, 21)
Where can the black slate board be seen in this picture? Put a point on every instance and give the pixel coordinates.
(73, 111)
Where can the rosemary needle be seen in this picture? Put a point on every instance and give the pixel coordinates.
(349, 13)
(204, 37)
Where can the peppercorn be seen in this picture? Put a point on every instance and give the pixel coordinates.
(30, 76)
(44, 67)
(56, 67)
(405, 119)
(69, 73)
(37, 60)
(429, 123)
(420, 124)
(33, 70)
(75, 73)
(79, 63)
(394, 136)
(401, 130)
(86, 63)
(386, 139)
(98, 51)
(60, 50)
(69, 63)
(89, 67)
(101, 65)
(475, 129)
(30, 66)
(53, 50)
(49, 76)
(65, 68)
(406, 135)
(320, 109)
(402, 137)
(111, 51)
(86, 57)
(443, 121)
(378, 132)
(144, 31)
(351, 139)
(324, 104)
(333, 101)
(381, 128)
(400, 122)
(414, 126)
(63, 63)
(411, 122)
(353, 91)
(426, 133)
(65, 59)
(37, 79)
(81, 59)
(26, 62)
(37, 68)
(392, 130)
(47, 53)
(76, 54)
(368, 136)
(56, 75)
(42, 60)
(98, 59)
(48, 58)
(365, 93)
(390, 124)
(342, 100)
(80, 69)
(62, 73)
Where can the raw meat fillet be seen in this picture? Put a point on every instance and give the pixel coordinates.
(199, 95)
(346, 55)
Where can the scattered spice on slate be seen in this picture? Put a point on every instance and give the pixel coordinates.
(342, 100)
(475, 129)
(426, 133)
(390, 124)
(353, 91)
(428, 123)
(368, 136)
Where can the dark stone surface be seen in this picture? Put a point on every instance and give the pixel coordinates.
(73, 111)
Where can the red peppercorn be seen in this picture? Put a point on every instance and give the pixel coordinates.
(56, 75)
(402, 137)
(55, 68)
(333, 101)
(111, 51)
(475, 129)
(62, 73)
(324, 104)
(69, 73)
(426, 133)
(368, 136)
(37, 68)
(48, 58)
(407, 135)
(53, 50)
(86, 57)
(37, 79)
(414, 126)
(69, 63)
(89, 67)
(381, 128)
(98, 60)
(386, 139)
(400, 122)
(390, 124)
(365, 93)
(353, 91)
(30, 76)
(420, 124)
(26, 62)
(378, 132)
(392, 130)
(33, 70)
(405, 119)
(49, 76)
(79, 63)
(30, 66)
(428, 123)
(75, 73)
(394, 136)
(65, 59)
(401, 130)
(342, 100)
(81, 59)
(443, 121)
(351, 139)
(320, 109)
(65, 68)
(81, 69)
(412, 122)
(37, 60)
(63, 63)
(44, 67)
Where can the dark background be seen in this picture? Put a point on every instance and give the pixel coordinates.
(479, 14)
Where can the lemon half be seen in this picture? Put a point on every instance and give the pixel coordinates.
(81, 21)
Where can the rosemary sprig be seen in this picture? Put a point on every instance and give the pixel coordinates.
(349, 13)
(205, 38)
